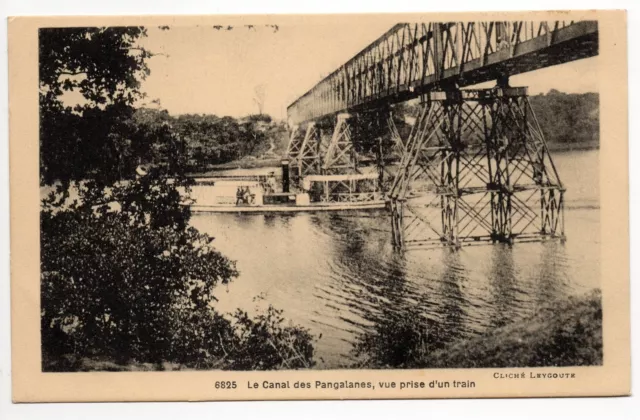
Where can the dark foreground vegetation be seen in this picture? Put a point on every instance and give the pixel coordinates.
(564, 334)
(569, 334)
(126, 283)
(136, 284)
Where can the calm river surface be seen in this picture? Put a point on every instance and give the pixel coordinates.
(338, 275)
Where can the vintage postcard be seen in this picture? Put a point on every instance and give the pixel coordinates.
(319, 206)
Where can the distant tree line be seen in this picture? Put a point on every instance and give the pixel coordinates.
(111, 142)
(207, 139)
(568, 117)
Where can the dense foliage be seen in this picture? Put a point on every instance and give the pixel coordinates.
(112, 277)
(568, 118)
(402, 339)
(124, 278)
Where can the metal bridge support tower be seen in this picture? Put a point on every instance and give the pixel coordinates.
(310, 155)
(308, 159)
(340, 156)
(295, 143)
(476, 168)
(399, 148)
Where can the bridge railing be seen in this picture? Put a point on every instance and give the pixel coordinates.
(413, 57)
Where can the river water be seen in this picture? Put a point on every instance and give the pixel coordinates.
(338, 275)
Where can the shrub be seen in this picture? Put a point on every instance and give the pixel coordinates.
(401, 340)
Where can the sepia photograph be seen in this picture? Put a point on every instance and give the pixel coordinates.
(193, 218)
(309, 195)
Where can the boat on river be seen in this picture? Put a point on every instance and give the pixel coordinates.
(264, 194)
(288, 208)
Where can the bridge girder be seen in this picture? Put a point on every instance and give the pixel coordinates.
(413, 58)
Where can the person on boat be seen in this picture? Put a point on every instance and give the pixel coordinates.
(271, 182)
(239, 196)
(247, 195)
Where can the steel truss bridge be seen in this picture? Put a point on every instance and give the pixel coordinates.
(475, 166)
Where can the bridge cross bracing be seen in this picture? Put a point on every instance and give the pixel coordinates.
(477, 169)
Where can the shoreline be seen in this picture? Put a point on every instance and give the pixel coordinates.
(275, 162)
(573, 147)
(568, 334)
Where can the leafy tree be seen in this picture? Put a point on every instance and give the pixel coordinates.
(112, 278)
(135, 284)
(103, 67)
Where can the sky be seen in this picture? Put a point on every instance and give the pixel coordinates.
(203, 70)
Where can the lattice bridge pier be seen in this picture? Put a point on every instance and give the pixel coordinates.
(476, 169)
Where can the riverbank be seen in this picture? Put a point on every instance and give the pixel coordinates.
(569, 147)
(569, 334)
(238, 164)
